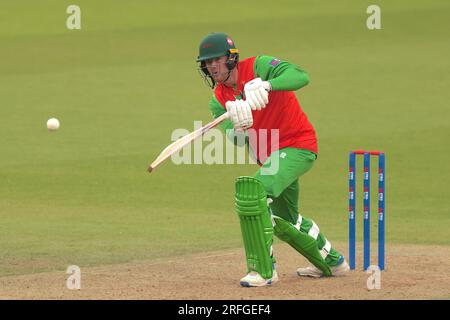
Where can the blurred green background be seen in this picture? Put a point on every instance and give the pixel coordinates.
(128, 78)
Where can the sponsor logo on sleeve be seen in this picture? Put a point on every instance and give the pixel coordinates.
(275, 62)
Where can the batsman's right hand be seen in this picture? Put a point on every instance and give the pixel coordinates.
(240, 114)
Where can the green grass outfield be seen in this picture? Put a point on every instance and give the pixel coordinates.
(128, 78)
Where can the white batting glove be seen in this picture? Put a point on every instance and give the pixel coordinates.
(240, 114)
(257, 93)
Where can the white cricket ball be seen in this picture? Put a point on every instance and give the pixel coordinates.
(52, 124)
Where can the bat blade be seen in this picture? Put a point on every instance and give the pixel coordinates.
(184, 141)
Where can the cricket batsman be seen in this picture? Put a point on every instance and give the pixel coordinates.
(258, 94)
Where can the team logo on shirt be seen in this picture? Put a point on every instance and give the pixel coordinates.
(275, 62)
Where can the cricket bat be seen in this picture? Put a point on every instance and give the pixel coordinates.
(184, 141)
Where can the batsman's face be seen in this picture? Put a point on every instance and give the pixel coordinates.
(217, 68)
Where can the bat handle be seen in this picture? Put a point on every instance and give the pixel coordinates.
(223, 117)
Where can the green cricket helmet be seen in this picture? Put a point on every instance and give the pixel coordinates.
(216, 45)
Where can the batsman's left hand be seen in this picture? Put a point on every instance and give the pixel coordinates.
(257, 93)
